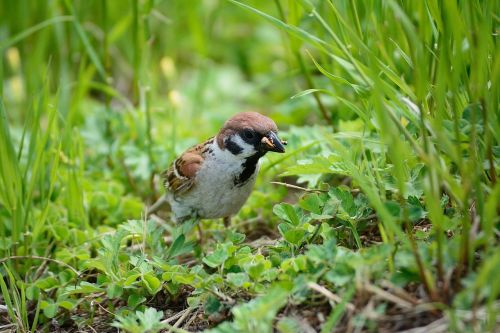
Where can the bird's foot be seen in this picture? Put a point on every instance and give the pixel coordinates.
(227, 221)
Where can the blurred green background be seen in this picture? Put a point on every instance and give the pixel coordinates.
(205, 59)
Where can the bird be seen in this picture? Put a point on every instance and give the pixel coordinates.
(214, 179)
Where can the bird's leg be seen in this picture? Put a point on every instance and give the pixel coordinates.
(227, 221)
(157, 205)
(200, 234)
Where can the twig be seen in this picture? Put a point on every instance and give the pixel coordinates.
(299, 188)
(400, 292)
(388, 296)
(181, 319)
(183, 314)
(428, 287)
(404, 314)
(135, 247)
(41, 258)
(368, 313)
(438, 326)
(158, 220)
(253, 220)
(190, 321)
(481, 313)
(175, 329)
(262, 242)
(367, 218)
(41, 269)
(328, 294)
(3, 327)
(224, 297)
(103, 308)
(157, 205)
(174, 317)
(93, 330)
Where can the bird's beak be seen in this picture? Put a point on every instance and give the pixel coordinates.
(271, 142)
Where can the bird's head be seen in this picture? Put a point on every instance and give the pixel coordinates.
(250, 133)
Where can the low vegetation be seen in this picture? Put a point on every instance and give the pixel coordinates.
(382, 216)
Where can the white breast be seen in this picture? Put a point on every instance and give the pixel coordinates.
(215, 193)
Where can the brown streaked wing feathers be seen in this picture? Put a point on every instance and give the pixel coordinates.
(187, 165)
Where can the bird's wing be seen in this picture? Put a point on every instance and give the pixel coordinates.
(180, 176)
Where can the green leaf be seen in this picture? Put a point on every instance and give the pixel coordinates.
(217, 258)
(135, 299)
(255, 270)
(287, 212)
(269, 274)
(416, 213)
(150, 319)
(194, 301)
(258, 314)
(288, 325)
(131, 278)
(236, 237)
(283, 228)
(114, 290)
(212, 305)
(152, 283)
(68, 304)
(237, 279)
(394, 208)
(295, 236)
(171, 271)
(311, 91)
(294, 264)
(340, 275)
(415, 209)
(176, 246)
(32, 292)
(47, 283)
(346, 200)
(325, 252)
(49, 309)
(185, 278)
(83, 288)
(314, 166)
(312, 203)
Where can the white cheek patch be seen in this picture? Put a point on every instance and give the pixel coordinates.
(248, 149)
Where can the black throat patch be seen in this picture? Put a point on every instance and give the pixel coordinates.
(249, 167)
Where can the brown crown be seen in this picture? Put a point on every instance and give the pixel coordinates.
(246, 120)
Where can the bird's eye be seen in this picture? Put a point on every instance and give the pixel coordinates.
(249, 134)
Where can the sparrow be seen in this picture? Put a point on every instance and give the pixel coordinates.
(215, 178)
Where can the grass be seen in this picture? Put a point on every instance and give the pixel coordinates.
(382, 215)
